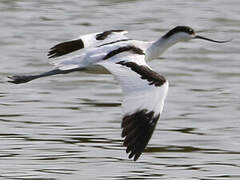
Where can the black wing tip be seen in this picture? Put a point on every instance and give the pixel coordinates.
(137, 130)
(65, 48)
(53, 53)
(105, 34)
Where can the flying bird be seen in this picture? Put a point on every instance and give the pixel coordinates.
(144, 90)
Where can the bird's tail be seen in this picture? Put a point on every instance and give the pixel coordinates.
(19, 79)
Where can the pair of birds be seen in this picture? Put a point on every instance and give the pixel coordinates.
(144, 90)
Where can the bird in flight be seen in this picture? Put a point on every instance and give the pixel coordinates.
(144, 90)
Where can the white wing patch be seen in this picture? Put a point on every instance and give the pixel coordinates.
(138, 93)
(87, 41)
(97, 39)
(144, 93)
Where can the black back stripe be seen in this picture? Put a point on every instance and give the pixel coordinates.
(146, 73)
(133, 49)
(65, 48)
(137, 130)
(105, 34)
(113, 42)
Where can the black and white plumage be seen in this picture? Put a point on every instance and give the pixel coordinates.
(87, 41)
(144, 90)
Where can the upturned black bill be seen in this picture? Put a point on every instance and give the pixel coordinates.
(201, 37)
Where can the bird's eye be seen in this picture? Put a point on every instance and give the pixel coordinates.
(191, 31)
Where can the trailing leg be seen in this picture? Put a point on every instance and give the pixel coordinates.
(18, 79)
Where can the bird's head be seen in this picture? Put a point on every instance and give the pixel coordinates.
(185, 33)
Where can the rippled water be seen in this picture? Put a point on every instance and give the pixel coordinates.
(68, 126)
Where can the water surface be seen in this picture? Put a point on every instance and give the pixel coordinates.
(68, 126)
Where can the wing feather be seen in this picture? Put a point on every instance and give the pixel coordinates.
(144, 92)
(87, 41)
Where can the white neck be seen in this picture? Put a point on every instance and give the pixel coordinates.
(159, 46)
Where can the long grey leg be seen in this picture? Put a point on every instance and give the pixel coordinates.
(18, 79)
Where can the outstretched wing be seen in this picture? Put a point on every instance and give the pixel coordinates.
(86, 41)
(144, 93)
